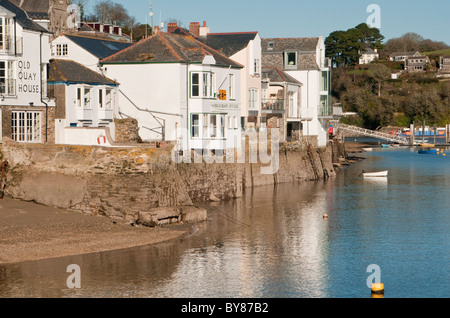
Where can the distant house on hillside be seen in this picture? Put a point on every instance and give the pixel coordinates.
(444, 64)
(415, 64)
(401, 56)
(368, 55)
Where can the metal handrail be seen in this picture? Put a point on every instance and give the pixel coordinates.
(373, 133)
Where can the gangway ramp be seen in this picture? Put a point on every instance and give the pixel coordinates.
(373, 133)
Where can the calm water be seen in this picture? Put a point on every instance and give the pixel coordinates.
(275, 243)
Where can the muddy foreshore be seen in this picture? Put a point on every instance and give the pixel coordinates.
(29, 231)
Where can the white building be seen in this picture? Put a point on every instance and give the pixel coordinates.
(281, 103)
(304, 59)
(85, 102)
(179, 90)
(368, 55)
(244, 48)
(26, 111)
(86, 49)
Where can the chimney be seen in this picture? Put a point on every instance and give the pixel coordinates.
(156, 29)
(194, 29)
(171, 27)
(204, 30)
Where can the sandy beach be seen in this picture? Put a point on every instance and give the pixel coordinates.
(29, 231)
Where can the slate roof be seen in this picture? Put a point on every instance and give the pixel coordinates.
(404, 53)
(21, 17)
(305, 47)
(36, 9)
(169, 47)
(369, 50)
(283, 44)
(98, 46)
(228, 43)
(68, 71)
(276, 75)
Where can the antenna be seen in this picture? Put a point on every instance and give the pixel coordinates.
(151, 14)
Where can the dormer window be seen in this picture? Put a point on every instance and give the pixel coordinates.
(270, 46)
(290, 59)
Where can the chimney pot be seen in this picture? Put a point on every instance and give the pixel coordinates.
(171, 27)
(194, 29)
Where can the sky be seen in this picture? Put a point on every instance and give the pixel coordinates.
(299, 18)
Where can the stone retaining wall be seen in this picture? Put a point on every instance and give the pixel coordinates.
(143, 184)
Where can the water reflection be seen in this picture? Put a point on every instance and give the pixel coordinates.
(274, 242)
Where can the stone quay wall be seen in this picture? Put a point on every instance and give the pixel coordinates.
(143, 184)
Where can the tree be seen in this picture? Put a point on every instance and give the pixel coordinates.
(379, 72)
(369, 36)
(110, 12)
(344, 47)
(409, 42)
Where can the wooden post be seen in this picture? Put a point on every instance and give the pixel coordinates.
(447, 132)
(411, 134)
(435, 131)
(423, 131)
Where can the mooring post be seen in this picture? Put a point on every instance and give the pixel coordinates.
(411, 135)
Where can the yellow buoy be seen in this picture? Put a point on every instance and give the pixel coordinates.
(325, 216)
(378, 288)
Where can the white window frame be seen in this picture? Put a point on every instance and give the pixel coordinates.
(256, 67)
(286, 59)
(209, 126)
(62, 49)
(206, 84)
(231, 88)
(253, 99)
(6, 39)
(7, 80)
(26, 126)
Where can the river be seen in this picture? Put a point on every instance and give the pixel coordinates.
(275, 243)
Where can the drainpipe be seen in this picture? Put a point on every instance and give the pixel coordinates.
(42, 100)
(188, 129)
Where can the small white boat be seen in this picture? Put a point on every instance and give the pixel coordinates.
(367, 149)
(375, 174)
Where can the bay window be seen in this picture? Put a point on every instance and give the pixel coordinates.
(7, 81)
(6, 25)
(208, 126)
(231, 87)
(202, 84)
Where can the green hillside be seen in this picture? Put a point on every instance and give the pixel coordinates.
(439, 53)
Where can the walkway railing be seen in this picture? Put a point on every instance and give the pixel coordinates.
(373, 133)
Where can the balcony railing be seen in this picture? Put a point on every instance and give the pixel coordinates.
(273, 106)
(337, 111)
(306, 113)
(84, 114)
(105, 114)
(325, 111)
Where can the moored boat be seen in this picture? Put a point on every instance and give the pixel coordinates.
(428, 151)
(375, 174)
